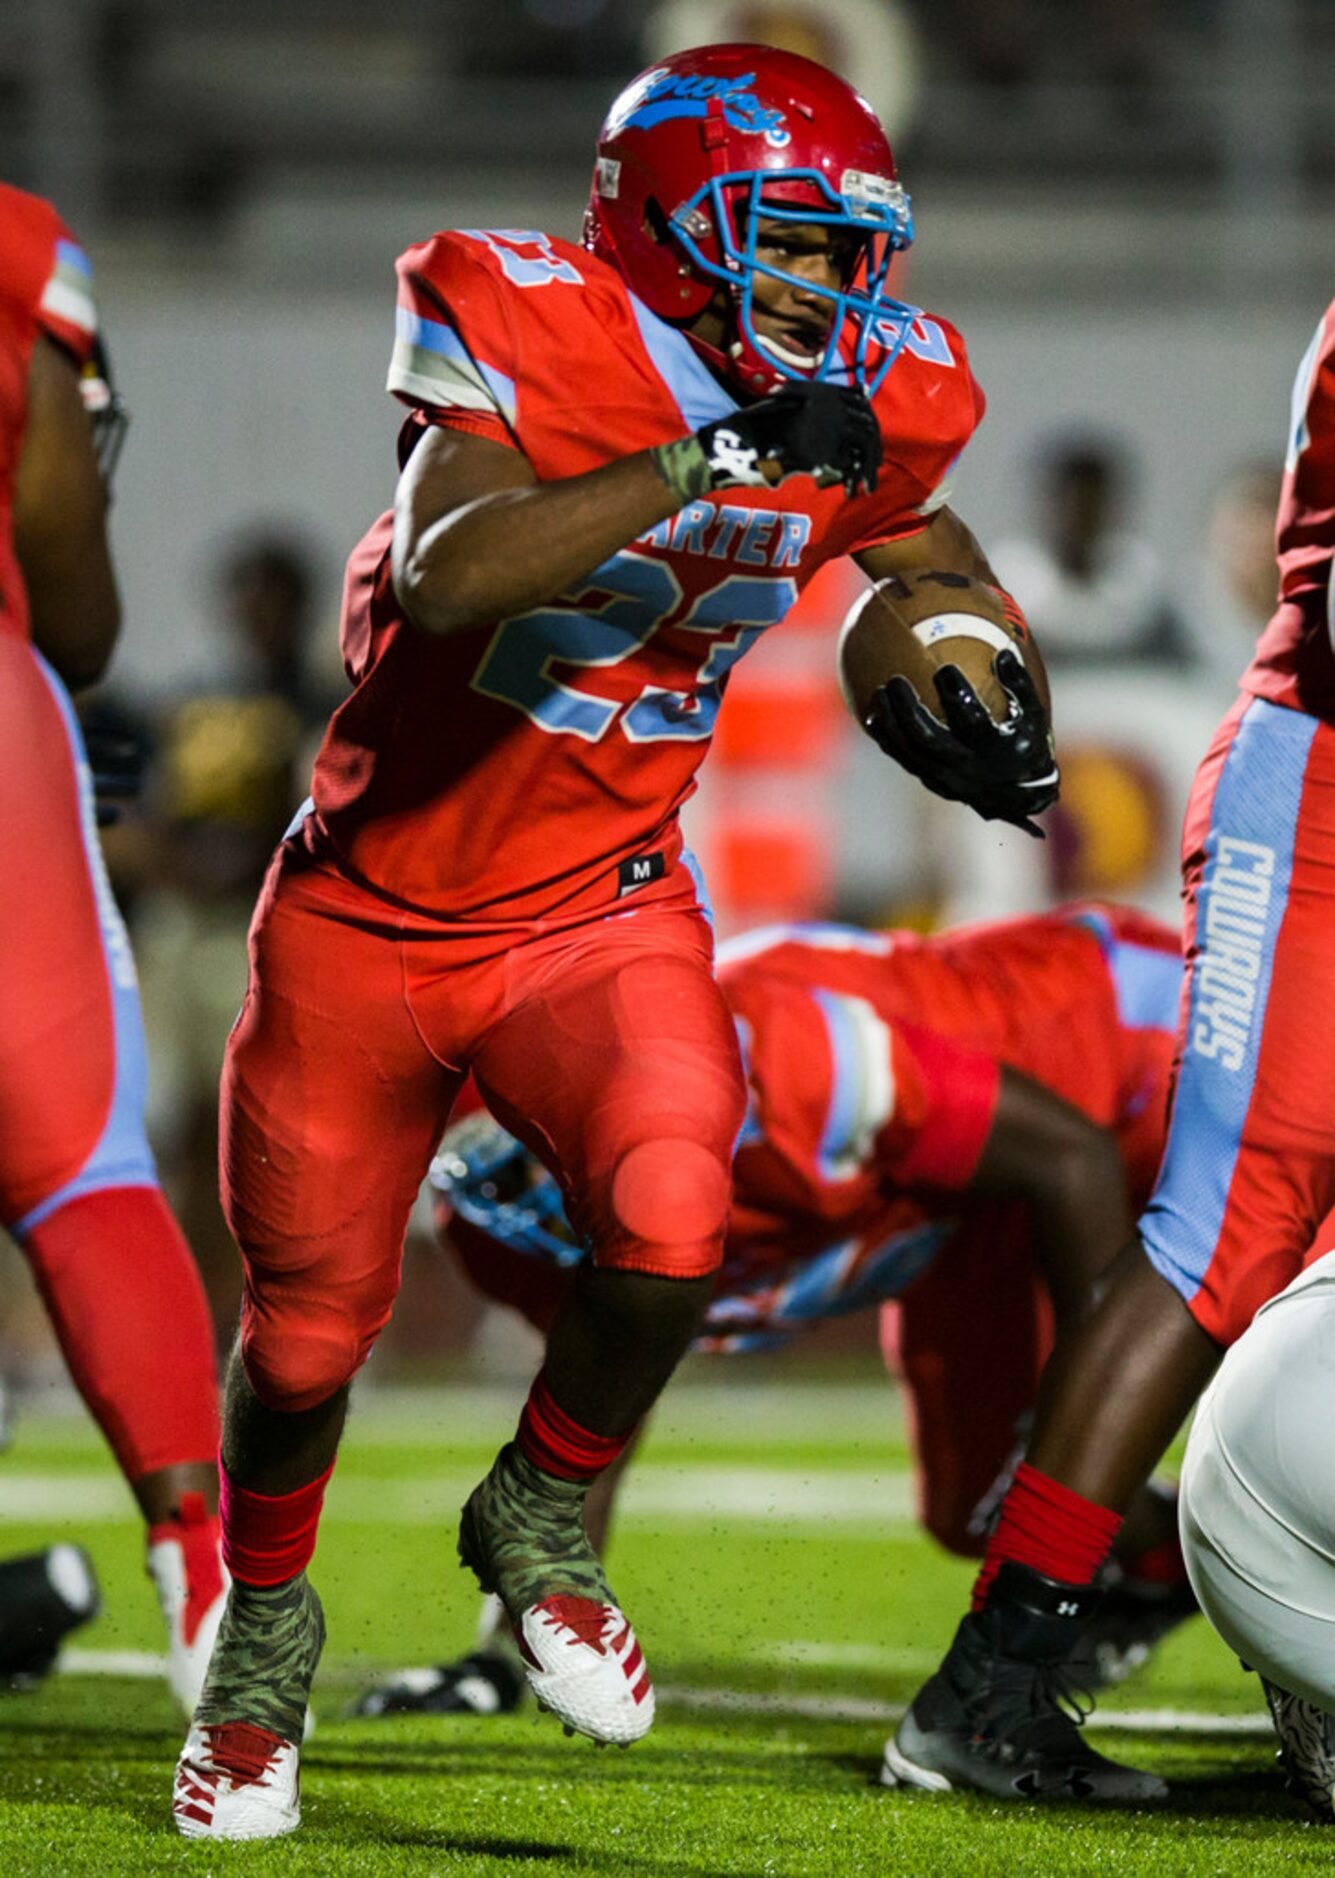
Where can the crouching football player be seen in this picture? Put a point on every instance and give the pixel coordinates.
(903, 1095)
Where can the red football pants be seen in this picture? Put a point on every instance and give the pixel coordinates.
(1249, 1171)
(606, 1047)
(78, 1187)
(969, 1339)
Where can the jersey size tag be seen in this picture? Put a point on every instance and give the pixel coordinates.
(638, 871)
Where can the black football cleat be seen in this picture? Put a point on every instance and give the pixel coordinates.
(1306, 1749)
(487, 1682)
(1003, 1713)
(43, 1596)
(1134, 1616)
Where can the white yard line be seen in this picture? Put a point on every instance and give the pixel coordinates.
(721, 1400)
(863, 1709)
(143, 1664)
(880, 1502)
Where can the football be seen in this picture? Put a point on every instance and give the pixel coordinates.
(914, 625)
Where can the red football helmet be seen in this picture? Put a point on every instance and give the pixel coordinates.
(698, 149)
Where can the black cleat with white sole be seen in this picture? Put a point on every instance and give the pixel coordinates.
(1003, 1713)
(43, 1596)
(487, 1682)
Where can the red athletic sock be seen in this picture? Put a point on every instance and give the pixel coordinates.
(1049, 1528)
(268, 1538)
(126, 1300)
(195, 1530)
(557, 1444)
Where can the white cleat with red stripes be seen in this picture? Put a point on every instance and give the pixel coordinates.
(585, 1665)
(236, 1781)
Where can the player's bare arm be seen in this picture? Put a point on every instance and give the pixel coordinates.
(478, 537)
(60, 507)
(1070, 1171)
(944, 542)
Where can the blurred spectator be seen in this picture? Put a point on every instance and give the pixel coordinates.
(1233, 588)
(232, 757)
(1096, 593)
(544, 38)
(871, 43)
(1133, 703)
(230, 766)
(1114, 45)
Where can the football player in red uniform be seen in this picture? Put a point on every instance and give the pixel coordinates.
(964, 1125)
(621, 463)
(78, 1187)
(1248, 1175)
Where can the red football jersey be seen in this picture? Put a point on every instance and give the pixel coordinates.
(510, 771)
(873, 1063)
(45, 287)
(1294, 662)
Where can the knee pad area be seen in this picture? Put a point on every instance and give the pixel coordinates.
(669, 1207)
(295, 1360)
(670, 1192)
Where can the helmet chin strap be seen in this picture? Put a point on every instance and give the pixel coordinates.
(743, 372)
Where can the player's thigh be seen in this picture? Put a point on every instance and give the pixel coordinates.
(71, 1047)
(620, 1068)
(969, 1339)
(1249, 1170)
(331, 1109)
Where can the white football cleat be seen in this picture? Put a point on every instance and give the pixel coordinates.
(236, 1781)
(584, 1665)
(191, 1581)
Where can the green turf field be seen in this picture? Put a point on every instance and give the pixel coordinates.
(768, 1558)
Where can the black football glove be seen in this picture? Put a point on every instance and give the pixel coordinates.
(1006, 772)
(116, 759)
(821, 430)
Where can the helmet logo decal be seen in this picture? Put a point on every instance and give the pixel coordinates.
(608, 172)
(671, 94)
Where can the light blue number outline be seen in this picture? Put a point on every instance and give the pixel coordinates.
(713, 612)
(515, 669)
(518, 656)
(526, 270)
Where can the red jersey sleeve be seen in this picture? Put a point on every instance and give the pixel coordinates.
(946, 1097)
(1294, 665)
(455, 350)
(841, 1092)
(929, 405)
(1305, 527)
(46, 281)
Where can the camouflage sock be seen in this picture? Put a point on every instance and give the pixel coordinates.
(264, 1661)
(522, 1533)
